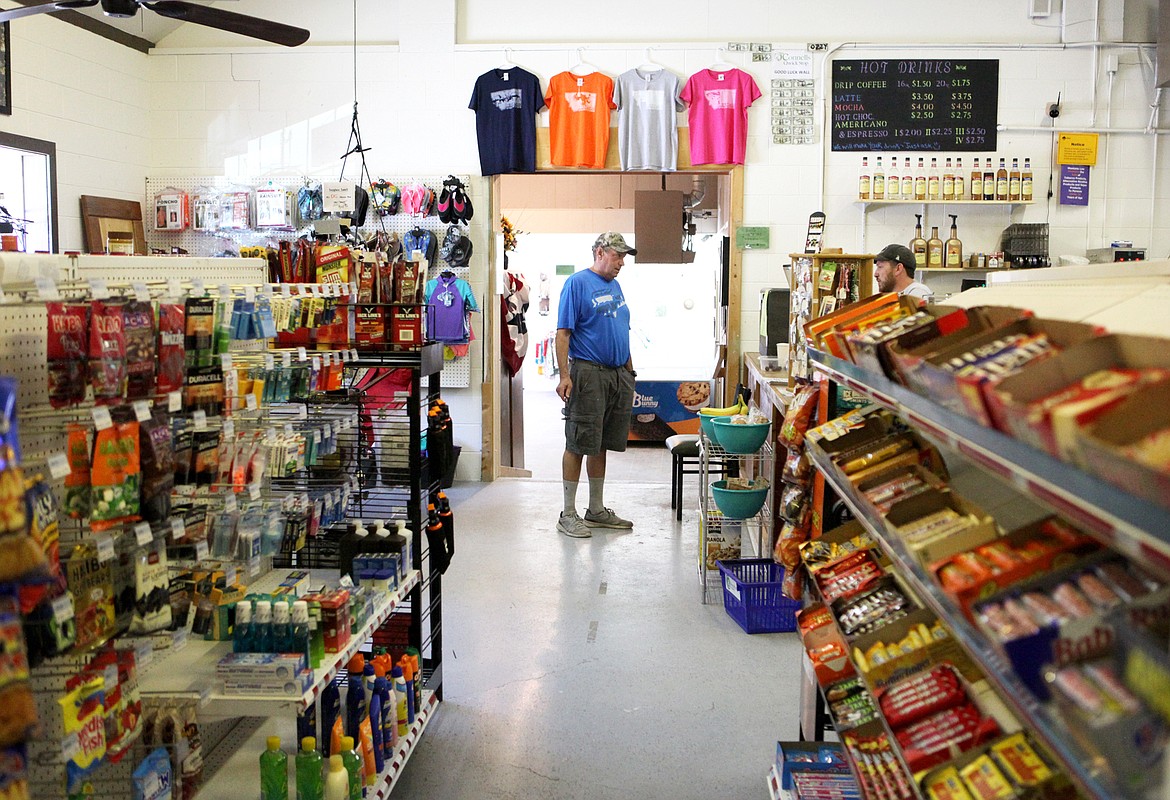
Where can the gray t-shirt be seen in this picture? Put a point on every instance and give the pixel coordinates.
(919, 290)
(647, 130)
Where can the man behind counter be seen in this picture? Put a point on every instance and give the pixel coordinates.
(893, 269)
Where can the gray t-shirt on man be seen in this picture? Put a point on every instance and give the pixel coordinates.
(647, 128)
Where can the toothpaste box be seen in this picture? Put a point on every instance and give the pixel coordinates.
(258, 667)
(294, 686)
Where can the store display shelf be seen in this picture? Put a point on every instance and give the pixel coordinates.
(428, 359)
(1047, 728)
(937, 202)
(190, 671)
(773, 782)
(1129, 524)
(962, 270)
(384, 783)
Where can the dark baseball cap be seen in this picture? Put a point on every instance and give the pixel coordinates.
(899, 253)
(615, 242)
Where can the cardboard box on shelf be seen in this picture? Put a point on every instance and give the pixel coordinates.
(931, 550)
(934, 651)
(906, 361)
(875, 356)
(1103, 444)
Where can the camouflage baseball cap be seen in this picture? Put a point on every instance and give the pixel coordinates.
(615, 242)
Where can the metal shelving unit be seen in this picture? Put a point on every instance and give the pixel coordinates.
(1121, 521)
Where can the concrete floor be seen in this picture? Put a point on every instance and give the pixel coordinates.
(590, 668)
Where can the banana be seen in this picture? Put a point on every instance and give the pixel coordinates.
(727, 411)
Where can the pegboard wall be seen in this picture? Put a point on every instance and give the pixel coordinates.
(456, 371)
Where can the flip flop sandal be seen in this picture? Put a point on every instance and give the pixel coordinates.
(444, 204)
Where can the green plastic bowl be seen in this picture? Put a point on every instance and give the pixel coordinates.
(740, 439)
(738, 503)
(705, 423)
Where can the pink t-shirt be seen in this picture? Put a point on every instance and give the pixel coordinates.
(717, 112)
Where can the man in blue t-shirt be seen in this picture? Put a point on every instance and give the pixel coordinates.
(597, 381)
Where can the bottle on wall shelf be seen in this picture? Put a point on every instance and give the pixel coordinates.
(953, 249)
(934, 249)
(877, 183)
(893, 181)
(309, 777)
(907, 181)
(918, 244)
(273, 771)
(948, 181)
(1014, 181)
(337, 781)
(1001, 182)
(933, 182)
(1026, 181)
(988, 181)
(863, 180)
(920, 181)
(976, 180)
(960, 190)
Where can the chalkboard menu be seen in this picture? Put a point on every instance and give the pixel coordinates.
(915, 104)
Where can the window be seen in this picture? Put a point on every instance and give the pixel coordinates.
(28, 192)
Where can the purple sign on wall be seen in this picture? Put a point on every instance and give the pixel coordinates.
(1074, 185)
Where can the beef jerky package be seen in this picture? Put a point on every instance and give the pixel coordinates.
(152, 600)
(138, 329)
(68, 347)
(171, 346)
(158, 468)
(107, 353)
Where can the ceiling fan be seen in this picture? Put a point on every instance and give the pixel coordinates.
(275, 32)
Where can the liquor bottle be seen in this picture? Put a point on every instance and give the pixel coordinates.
(1014, 181)
(893, 181)
(948, 182)
(960, 180)
(878, 181)
(953, 249)
(988, 181)
(1026, 181)
(907, 181)
(920, 182)
(933, 182)
(1001, 182)
(918, 244)
(976, 181)
(934, 249)
(863, 180)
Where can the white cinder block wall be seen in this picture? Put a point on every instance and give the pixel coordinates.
(218, 105)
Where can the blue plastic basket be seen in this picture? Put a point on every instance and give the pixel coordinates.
(752, 596)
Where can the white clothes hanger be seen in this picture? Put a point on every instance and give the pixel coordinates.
(583, 67)
(719, 64)
(649, 65)
(508, 63)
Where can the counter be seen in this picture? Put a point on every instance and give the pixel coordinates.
(769, 388)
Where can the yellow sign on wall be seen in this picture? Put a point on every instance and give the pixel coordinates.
(1077, 148)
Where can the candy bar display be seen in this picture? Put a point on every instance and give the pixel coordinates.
(880, 604)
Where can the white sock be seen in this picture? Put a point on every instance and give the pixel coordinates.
(570, 490)
(596, 498)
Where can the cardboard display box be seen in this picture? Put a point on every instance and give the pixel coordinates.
(875, 356)
(1144, 412)
(906, 361)
(936, 651)
(913, 508)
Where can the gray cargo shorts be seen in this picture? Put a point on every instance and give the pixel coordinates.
(597, 416)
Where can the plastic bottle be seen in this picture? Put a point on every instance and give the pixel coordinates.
(330, 715)
(389, 710)
(356, 705)
(300, 629)
(368, 677)
(309, 779)
(400, 697)
(307, 724)
(413, 654)
(262, 627)
(281, 628)
(353, 767)
(408, 678)
(402, 541)
(316, 635)
(242, 632)
(351, 545)
(376, 729)
(337, 781)
(273, 771)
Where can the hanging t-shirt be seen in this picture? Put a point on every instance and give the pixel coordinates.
(578, 118)
(450, 301)
(506, 102)
(717, 112)
(647, 131)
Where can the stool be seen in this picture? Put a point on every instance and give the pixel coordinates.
(684, 451)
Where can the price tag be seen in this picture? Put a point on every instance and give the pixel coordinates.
(229, 429)
(269, 362)
(69, 747)
(198, 287)
(316, 436)
(288, 429)
(302, 354)
(302, 411)
(226, 360)
(336, 429)
(178, 528)
(353, 355)
(253, 567)
(47, 289)
(326, 359)
(229, 503)
(250, 294)
(286, 359)
(143, 652)
(105, 548)
(353, 289)
(63, 608)
(101, 418)
(316, 364)
(199, 419)
(174, 287)
(225, 292)
(143, 534)
(142, 410)
(270, 436)
(201, 551)
(179, 640)
(59, 465)
(254, 490)
(141, 292)
(314, 290)
(286, 289)
(3, 297)
(175, 402)
(250, 402)
(98, 289)
(229, 576)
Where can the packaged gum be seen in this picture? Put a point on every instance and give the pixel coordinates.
(947, 785)
(1020, 761)
(985, 781)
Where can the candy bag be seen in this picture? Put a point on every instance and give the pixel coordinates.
(67, 345)
(796, 419)
(77, 494)
(171, 347)
(152, 600)
(85, 728)
(138, 330)
(18, 711)
(92, 583)
(158, 468)
(115, 476)
(107, 353)
(153, 778)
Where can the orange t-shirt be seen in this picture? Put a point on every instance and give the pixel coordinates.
(578, 116)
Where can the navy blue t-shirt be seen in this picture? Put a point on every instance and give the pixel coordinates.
(506, 102)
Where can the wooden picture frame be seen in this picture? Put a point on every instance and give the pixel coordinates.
(6, 69)
(100, 215)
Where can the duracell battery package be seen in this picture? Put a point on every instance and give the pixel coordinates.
(204, 390)
(200, 336)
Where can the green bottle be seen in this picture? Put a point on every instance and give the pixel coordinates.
(273, 771)
(353, 765)
(310, 781)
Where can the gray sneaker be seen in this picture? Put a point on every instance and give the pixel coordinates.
(607, 519)
(572, 526)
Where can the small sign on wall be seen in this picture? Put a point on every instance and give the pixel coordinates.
(1077, 148)
(1074, 185)
(752, 238)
